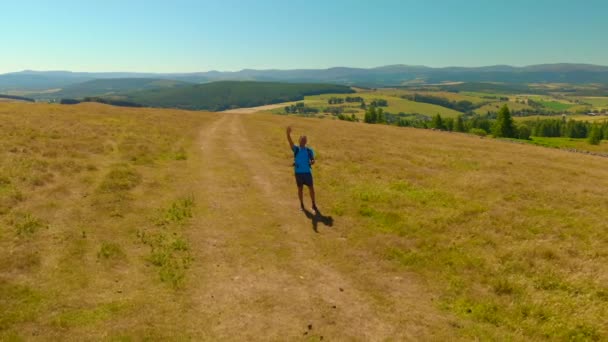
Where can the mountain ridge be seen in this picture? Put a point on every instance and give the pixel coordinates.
(388, 75)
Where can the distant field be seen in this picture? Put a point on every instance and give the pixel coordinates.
(595, 101)
(590, 118)
(396, 105)
(540, 117)
(598, 118)
(556, 106)
(444, 94)
(569, 143)
(490, 102)
(495, 106)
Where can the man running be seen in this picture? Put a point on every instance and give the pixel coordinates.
(304, 158)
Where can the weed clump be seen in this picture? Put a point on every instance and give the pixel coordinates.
(178, 212)
(110, 250)
(26, 224)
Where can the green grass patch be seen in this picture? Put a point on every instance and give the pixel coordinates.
(19, 303)
(169, 249)
(85, 317)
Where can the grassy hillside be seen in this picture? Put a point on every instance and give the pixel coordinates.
(111, 86)
(10, 98)
(231, 94)
(156, 224)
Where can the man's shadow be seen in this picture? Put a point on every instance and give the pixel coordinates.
(318, 217)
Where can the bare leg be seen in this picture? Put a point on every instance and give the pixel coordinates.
(301, 195)
(312, 196)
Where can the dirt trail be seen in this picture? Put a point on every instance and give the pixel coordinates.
(262, 273)
(251, 110)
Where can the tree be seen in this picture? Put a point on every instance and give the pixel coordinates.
(437, 122)
(380, 117)
(503, 127)
(448, 124)
(459, 124)
(370, 115)
(595, 136)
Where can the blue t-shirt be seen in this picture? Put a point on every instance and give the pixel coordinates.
(302, 159)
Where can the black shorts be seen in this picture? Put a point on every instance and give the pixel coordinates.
(304, 179)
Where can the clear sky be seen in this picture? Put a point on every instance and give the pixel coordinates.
(201, 35)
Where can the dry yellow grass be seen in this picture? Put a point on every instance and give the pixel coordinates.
(107, 232)
(85, 193)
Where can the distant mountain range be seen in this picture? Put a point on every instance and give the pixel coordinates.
(392, 75)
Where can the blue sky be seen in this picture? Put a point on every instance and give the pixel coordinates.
(183, 35)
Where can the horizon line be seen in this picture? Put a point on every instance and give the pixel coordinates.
(292, 69)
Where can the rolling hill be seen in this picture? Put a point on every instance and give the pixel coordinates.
(128, 224)
(111, 86)
(217, 96)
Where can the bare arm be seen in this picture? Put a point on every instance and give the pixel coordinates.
(289, 138)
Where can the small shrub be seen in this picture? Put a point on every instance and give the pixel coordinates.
(478, 131)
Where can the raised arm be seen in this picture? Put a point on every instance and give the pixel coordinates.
(289, 137)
